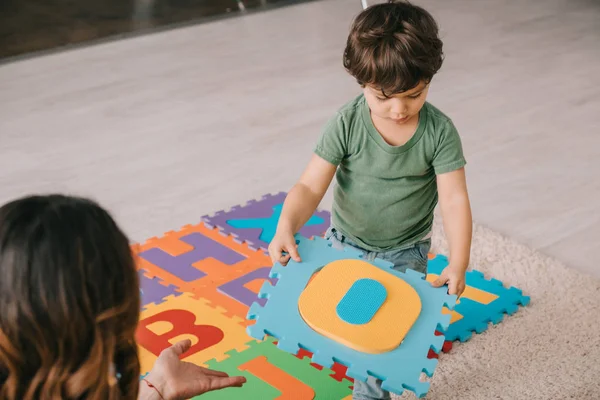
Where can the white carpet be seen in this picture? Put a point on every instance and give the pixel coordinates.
(548, 350)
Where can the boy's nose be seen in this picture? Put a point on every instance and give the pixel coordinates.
(398, 108)
(398, 113)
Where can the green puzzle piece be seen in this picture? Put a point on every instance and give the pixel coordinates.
(324, 386)
(254, 388)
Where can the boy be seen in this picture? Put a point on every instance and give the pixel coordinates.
(393, 155)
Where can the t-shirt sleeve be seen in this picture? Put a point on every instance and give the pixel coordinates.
(332, 145)
(448, 155)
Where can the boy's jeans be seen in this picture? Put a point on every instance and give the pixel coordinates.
(413, 257)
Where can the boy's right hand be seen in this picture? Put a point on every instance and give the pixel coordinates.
(283, 247)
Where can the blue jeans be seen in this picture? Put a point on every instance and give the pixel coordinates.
(413, 257)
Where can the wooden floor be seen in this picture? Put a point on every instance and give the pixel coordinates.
(166, 127)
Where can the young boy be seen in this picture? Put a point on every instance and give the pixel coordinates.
(392, 153)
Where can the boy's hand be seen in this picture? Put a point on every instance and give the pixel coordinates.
(454, 277)
(283, 247)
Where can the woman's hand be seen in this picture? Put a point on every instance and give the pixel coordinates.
(179, 380)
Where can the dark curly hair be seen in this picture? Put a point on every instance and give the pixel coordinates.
(393, 46)
(69, 302)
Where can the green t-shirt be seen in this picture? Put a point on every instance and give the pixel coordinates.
(385, 195)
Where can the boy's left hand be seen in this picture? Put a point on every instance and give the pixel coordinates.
(454, 277)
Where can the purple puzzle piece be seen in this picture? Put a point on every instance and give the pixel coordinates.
(236, 289)
(316, 230)
(260, 209)
(181, 265)
(252, 209)
(152, 291)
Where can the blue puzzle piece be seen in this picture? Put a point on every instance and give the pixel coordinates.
(269, 225)
(477, 316)
(399, 369)
(362, 301)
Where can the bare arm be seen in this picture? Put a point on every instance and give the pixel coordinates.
(299, 205)
(456, 214)
(306, 194)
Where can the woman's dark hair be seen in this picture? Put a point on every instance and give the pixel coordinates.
(393, 46)
(69, 302)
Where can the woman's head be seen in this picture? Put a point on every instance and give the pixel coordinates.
(69, 302)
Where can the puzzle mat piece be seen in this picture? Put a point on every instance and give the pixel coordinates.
(196, 255)
(236, 295)
(153, 291)
(474, 316)
(256, 221)
(445, 348)
(275, 374)
(268, 225)
(333, 304)
(182, 265)
(280, 318)
(184, 316)
(234, 289)
(339, 370)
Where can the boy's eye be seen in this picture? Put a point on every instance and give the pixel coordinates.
(413, 97)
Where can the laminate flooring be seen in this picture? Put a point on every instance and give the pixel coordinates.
(166, 127)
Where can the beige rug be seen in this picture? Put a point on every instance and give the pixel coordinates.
(549, 350)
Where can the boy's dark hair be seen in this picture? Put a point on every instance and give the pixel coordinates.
(393, 47)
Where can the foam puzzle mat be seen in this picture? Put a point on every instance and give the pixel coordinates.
(200, 282)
